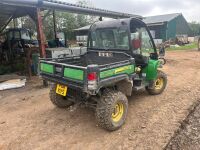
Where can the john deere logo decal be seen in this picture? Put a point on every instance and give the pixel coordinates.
(118, 70)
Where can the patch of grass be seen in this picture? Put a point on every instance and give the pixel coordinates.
(185, 47)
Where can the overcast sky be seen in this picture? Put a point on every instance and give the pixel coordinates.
(189, 8)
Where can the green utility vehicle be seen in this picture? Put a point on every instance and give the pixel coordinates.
(121, 57)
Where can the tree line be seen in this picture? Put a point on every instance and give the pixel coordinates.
(195, 28)
(65, 22)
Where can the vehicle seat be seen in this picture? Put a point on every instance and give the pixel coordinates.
(140, 60)
(136, 43)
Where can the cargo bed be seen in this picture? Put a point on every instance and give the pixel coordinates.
(73, 71)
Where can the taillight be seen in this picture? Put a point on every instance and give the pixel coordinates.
(92, 76)
(92, 80)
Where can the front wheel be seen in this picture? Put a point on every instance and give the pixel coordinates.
(111, 109)
(159, 84)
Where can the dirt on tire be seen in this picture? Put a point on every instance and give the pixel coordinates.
(105, 108)
(28, 120)
(154, 91)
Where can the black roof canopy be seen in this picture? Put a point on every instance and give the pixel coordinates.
(114, 23)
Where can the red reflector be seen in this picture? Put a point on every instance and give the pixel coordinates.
(92, 76)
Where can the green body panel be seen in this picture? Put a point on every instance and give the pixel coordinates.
(129, 69)
(151, 69)
(46, 68)
(76, 74)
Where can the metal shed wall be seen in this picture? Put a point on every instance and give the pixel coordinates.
(182, 26)
(171, 29)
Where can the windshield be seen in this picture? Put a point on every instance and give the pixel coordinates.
(109, 39)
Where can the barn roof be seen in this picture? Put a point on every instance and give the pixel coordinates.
(8, 12)
(10, 9)
(160, 18)
(151, 20)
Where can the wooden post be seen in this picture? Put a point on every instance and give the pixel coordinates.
(40, 33)
(41, 39)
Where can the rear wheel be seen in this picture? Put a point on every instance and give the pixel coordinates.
(112, 109)
(159, 84)
(58, 100)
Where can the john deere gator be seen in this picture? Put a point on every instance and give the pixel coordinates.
(121, 58)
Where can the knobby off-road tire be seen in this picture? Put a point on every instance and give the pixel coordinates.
(159, 84)
(58, 100)
(111, 103)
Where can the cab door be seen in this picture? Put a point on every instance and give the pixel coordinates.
(148, 50)
(144, 51)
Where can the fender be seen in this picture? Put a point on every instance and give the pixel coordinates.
(151, 69)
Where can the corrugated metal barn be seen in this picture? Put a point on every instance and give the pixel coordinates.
(168, 26)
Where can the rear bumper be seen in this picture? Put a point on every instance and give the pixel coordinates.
(60, 80)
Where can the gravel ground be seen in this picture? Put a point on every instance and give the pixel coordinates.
(188, 136)
(28, 120)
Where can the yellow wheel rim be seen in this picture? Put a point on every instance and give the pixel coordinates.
(159, 83)
(118, 112)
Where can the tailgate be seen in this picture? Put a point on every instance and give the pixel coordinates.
(70, 75)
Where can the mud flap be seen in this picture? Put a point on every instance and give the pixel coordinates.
(125, 86)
